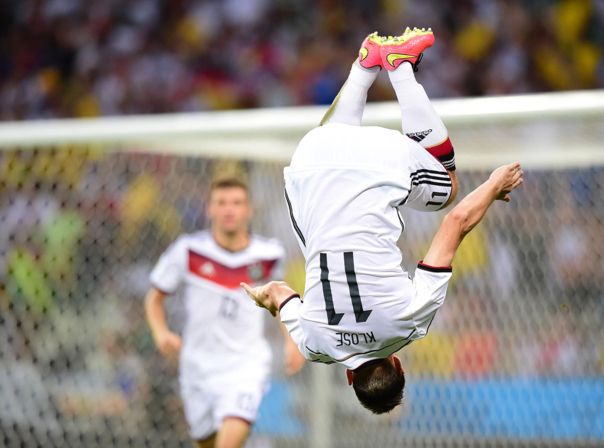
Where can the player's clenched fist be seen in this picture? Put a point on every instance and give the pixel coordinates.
(505, 179)
(269, 296)
(168, 343)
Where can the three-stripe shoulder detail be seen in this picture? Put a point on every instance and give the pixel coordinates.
(430, 177)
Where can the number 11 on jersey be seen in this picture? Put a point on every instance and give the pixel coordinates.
(334, 318)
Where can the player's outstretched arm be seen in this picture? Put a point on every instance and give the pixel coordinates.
(465, 215)
(270, 296)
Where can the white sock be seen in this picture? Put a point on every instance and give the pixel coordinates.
(349, 104)
(420, 120)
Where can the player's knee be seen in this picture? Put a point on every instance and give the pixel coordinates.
(208, 442)
(379, 385)
(233, 433)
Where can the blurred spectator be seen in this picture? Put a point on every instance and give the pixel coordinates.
(80, 225)
(63, 58)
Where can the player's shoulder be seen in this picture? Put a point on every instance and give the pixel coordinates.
(194, 239)
(267, 247)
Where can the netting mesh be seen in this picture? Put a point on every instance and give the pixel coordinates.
(515, 354)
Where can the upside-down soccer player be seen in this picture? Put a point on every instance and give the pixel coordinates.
(225, 359)
(343, 188)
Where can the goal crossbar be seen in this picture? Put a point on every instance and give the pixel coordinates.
(275, 131)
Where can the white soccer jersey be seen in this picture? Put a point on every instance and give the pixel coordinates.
(224, 330)
(343, 188)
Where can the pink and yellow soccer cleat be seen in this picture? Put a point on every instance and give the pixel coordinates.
(369, 53)
(407, 47)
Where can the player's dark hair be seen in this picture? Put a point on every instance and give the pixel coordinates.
(379, 385)
(228, 182)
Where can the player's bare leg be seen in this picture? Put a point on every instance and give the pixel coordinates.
(349, 104)
(465, 215)
(233, 433)
(420, 122)
(209, 442)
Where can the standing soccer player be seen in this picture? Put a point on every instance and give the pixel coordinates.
(344, 186)
(224, 357)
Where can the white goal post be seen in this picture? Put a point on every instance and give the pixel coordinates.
(276, 131)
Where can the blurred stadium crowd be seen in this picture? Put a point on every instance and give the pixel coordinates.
(81, 230)
(64, 58)
(81, 227)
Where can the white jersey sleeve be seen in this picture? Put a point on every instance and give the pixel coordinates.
(168, 273)
(430, 288)
(289, 313)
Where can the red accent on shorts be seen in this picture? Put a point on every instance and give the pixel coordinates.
(211, 270)
(441, 149)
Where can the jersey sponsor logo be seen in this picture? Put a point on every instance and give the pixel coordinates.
(208, 269)
(211, 270)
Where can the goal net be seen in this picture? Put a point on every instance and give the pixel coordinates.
(515, 355)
